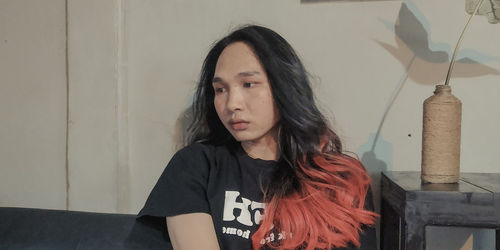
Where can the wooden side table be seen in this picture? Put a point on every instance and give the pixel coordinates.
(408, 206)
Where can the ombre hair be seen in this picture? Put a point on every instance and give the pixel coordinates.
(317, 192)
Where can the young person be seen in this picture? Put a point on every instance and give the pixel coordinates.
(262, 169)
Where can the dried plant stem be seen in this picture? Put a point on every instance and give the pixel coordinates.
(452, 63)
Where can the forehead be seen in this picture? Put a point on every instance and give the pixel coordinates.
(235, 58)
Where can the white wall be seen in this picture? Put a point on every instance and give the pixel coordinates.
(133, 66)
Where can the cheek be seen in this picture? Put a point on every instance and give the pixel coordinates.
(273, 110)
(219, 105)
(267, 108)
(276, 115)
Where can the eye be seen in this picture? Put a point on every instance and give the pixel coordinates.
(248, 84)
(219, 90)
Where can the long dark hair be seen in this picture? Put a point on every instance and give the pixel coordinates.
(310, 151)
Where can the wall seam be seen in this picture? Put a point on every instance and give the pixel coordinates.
(123, 171)
(66, 165)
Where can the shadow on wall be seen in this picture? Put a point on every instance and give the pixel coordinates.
(431, 59)
(426, 62)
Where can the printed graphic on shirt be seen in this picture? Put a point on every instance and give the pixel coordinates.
(272, 237)
(249, 213)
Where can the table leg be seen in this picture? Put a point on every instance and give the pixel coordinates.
(497, 241)
(390, 236)
(414, 229)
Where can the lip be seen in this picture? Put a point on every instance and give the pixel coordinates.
(238, 124)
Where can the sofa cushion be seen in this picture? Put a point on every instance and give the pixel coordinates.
(22, 228)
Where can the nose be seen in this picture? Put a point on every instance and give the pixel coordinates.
(235, 100)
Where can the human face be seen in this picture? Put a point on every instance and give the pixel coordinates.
(243, 98)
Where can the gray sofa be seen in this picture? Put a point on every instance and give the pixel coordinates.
(26, 228)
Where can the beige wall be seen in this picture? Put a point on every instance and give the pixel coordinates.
(133, 65)
(353, 73)
(32, 103)
(93, 45)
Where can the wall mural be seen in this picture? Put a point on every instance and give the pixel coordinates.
(426, 62)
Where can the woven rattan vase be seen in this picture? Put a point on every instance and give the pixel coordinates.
(441, 137)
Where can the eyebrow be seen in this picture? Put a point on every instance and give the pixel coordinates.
(248, 73)
(241, 74)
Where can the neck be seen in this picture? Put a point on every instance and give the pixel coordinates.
(265, 148)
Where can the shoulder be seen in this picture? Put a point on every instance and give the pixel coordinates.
(196, 149)
(199, 150)
(200, 155)
(195, 155)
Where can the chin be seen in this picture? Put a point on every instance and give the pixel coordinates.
(243, 138)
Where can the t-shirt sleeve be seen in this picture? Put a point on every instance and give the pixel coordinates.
(181, 188)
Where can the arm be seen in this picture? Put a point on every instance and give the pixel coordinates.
(192, 231)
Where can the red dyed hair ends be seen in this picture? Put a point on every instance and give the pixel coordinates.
(328, 212)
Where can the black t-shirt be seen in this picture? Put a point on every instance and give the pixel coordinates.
(221, 181)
